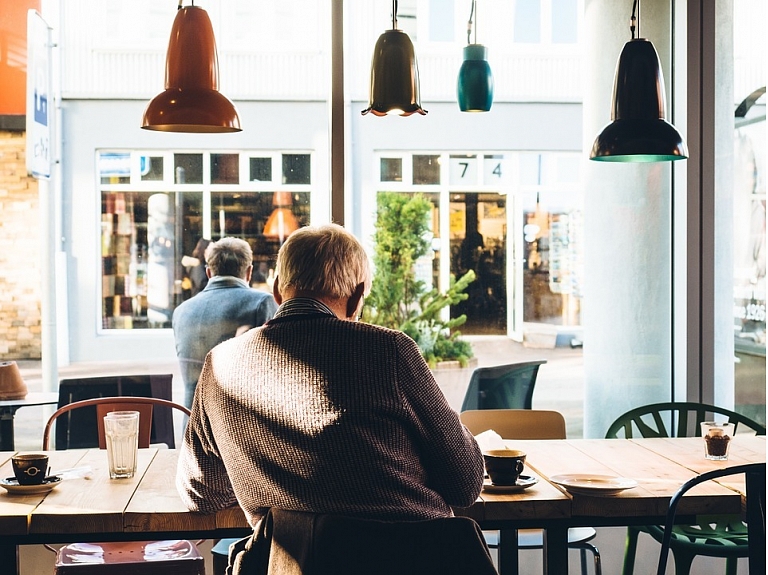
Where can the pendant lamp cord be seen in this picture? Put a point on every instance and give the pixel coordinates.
(633, 21)
(470, 26)
(394, 14)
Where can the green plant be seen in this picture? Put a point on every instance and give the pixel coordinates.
(399, 300)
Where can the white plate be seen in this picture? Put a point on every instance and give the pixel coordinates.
(11, 485)
(586, 484)
(523, 482)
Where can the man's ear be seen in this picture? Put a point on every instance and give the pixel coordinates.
(353, 303)
(208, 272)
(248, 273)
(276, 292)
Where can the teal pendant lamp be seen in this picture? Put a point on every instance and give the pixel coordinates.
(475, 84)
(191, 101)
(638, 131)
(394, 86)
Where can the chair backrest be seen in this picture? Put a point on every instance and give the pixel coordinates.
(675, 419)
(507, 386)
(300, 543)
(516, 423)
(78, 428)
(755, 511)
(103, 405)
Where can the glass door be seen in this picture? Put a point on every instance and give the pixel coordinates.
(478, 241)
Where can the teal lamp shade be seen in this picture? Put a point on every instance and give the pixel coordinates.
(475, 84)
(394, 77)
(638, 131)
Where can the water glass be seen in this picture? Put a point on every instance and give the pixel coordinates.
(121, 431)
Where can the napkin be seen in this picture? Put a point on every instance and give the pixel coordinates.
(488, 440)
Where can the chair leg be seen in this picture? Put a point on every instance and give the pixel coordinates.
(731, 563)
(683, 560)
(630, 550)
(583, 547)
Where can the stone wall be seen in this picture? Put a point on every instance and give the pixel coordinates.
(20, 322)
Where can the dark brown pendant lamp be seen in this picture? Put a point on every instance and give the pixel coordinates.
(191, 101)
(638, 131)
(394, 74)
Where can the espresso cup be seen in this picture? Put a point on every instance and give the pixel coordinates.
(30, 468)
(504, 466)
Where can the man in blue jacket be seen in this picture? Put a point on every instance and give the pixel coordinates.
(225, 308)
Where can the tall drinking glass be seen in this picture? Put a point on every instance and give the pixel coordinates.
(121, 430)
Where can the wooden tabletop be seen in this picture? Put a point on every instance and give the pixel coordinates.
(148, 503)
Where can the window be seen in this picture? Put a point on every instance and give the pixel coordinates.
(151, 223)
(527, 25)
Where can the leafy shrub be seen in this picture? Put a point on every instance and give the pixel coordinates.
(397, 299)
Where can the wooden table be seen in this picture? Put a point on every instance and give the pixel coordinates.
(660, 466)
(148, 507)
(8, 409)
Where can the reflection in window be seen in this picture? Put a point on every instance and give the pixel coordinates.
(245, 215)
(225, 168)
(151, 168)
(296, 169)
(426, 170)
(391, 170)
(115, 168)
(260, 169)
(142, 243)
(188, 168)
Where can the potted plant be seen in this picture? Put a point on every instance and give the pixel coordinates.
(398, 299)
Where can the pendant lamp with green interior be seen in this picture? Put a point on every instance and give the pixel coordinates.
(638, 131)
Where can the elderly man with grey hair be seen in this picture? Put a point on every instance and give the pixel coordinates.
(226, 307)
(317, 412)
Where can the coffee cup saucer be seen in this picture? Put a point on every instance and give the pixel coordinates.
(12, 486)
(523, 483)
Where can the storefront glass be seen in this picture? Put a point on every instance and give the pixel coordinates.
(152, 221)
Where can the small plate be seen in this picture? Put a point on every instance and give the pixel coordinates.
(586, 484)
(11, 485)
(523, 482)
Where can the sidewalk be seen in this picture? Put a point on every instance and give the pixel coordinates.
(560, 383)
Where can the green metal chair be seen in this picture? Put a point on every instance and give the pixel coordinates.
(716, 536)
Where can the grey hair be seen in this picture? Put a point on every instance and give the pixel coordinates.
(326, 260)
(229, 257)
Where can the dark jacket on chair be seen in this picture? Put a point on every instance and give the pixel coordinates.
(298, 543)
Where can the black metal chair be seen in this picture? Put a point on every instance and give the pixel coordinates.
(507, 386)
(726, 536)
(755, 515)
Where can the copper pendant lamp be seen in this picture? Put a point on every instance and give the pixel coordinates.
(191, 101)
(638, 131)
(394, 74)
(475, 83)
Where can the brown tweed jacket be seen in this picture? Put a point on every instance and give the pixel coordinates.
(313, 413)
